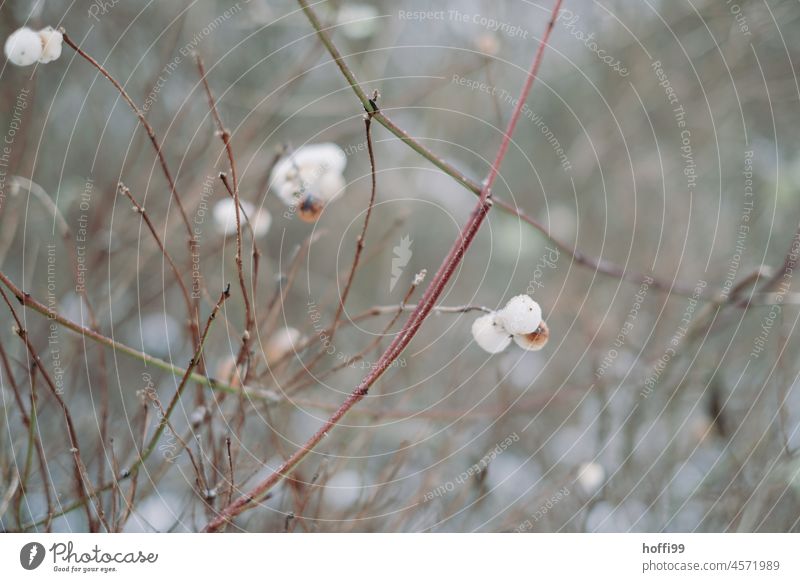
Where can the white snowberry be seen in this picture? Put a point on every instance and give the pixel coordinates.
(225, 217)
(358, 21)
(23, 47)
(313, 170)
(521, 315)
(591, 477)
(535, 340)
(282, 342)
(489, 334)
(52, 40)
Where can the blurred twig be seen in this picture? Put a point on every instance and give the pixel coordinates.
(26, 300)
(143, 120)
(83, 485)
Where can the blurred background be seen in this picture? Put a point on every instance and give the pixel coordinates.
(660, 141)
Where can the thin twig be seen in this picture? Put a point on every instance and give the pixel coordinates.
(187, 374)
(396, 309)
(142, 119)
(225, 136)
(28, 301)
(184, 291)
(360, 241)
(82, 483)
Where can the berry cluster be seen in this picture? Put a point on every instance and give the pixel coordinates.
(25, 46)
(310, 178)
(520, 320)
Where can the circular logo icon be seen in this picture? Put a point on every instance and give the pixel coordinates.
(31, 555)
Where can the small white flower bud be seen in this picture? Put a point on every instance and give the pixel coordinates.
(489, 334)
(23, 47)
(521, 315)
(52, 40)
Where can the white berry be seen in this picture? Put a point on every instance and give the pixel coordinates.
(282, 342)
(535, 340)
(51, 44)
(312, 170)
(591, 477)
(23, 47)
(489, 334)
(225, 217)
(521, 315)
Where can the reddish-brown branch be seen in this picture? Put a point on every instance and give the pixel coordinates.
(143, 120)
(360, 241)
(426, 304)
(193, 323)
(225, 136)
(82, 483)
